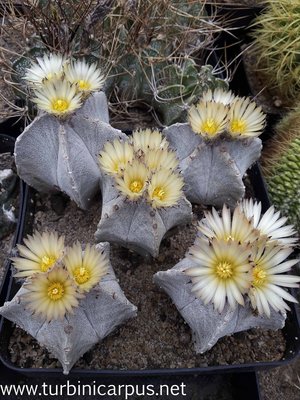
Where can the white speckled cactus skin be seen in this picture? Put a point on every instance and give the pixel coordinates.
(53, 154)
(136, 225)
(213, 170)
(207, 324)
(99, 313)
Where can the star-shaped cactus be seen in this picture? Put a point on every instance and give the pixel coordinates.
(135, 224)
(61, 154)
(213, 170)
(207, 324)
(99, 313)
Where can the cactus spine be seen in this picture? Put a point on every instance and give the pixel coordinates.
(276, 49)
(281, 166)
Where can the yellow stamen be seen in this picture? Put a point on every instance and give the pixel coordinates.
(238, 126)
(83, 85)
(56, 291)
(224, 270)
(81, 275)
(50, 76)
(259, 277)
(136, 186)
(60, 105)
(47, 262)
(159, 192)
(210, 126)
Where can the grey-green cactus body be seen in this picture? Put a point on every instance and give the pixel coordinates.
(53, 154)
(135, 224)
(99, 313)
(207, 324)
(213, 170)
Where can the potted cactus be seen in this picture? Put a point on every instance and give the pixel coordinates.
(69, 298)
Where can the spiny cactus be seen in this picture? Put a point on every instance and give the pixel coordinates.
(142, 194)
(281, 166)
(276, 48)
(56, 306)
(150, 56)
(217, 146)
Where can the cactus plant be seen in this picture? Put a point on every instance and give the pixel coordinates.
(217, 146)
(275, 49)
(58, 150)
(230, 280)
(141, 193)
(281, 166)
(101, 310)
(150, 61)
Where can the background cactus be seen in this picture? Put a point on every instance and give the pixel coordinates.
(53, 154)
(151, 65)
(281, 166)
(99, 313)
(276, 49)
(151, 60)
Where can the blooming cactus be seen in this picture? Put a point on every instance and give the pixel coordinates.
(142, 192)
(231, 279)
(217, 146)
(58, 150)
(72, 305)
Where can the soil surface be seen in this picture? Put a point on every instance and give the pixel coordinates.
(158, 337)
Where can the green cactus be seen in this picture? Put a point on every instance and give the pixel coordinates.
(151, 56)
(276, 49)
(281, 165)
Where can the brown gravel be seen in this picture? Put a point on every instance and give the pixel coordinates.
(158, 337)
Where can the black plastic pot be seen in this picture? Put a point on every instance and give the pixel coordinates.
(291, 330)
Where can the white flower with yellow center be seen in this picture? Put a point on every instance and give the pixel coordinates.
(115, 156)
(39, 254)
(208, 118)
(134, 180)
(148, 139)
(161, 159)
(219, 96)
(46, 69)
(57, 97)
(51, 295)
(165, 189)
(267, 279)
(228, 227)
(269, 223)
(222, 272)
(245, 119)
(87, 77)
(87, 268)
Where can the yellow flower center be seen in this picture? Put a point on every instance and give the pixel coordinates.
(159, 193)
(210, 127)
(81, 275)
(56, 291)
(136, 186)
(50, 76)
(238, 126)
(83, 85)
(47, 262)
(60, 105)
(259, 276)
(224, 270)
